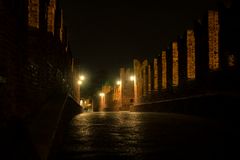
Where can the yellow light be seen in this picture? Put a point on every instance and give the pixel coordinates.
(132, 78)
(82, 78)
(101, 94)
(81, 102)
(119, 82)
(79, 82)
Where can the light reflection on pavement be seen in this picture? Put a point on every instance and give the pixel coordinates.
(131, 135)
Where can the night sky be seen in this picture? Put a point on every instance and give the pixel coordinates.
(107, 35)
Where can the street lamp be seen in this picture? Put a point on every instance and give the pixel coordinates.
(80, 81)
(102, 101)
(81, 102)
(119, 93)
(81, 77)
(101, 94)
(118, 82)
(133, 78)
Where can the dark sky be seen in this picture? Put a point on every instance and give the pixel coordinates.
(109, 34)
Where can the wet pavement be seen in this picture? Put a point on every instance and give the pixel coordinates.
(138, 136)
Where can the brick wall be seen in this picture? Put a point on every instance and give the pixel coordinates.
(33, 67)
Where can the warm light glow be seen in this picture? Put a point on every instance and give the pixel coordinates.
(102, 101)
(81, 102)
(101, 94)
(132, 78)
(118, 82)
(79, 82)
(82, 77)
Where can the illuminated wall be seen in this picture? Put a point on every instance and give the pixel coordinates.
(155, 66)
(149, 79)
(164, 70)
(213, 39)
(144, 76)
(61, 27)
(106, 89)
(175, 74)
(138, 80)
(122, 79)
(117, 93)
(191, 52)
(127, 86)
(33, 13)
(51, 15)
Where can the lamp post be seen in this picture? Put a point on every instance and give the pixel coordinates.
(80, 81)
(78, 93)
(102, 101)
(119, 91)
(81, 77)
(133, 78)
